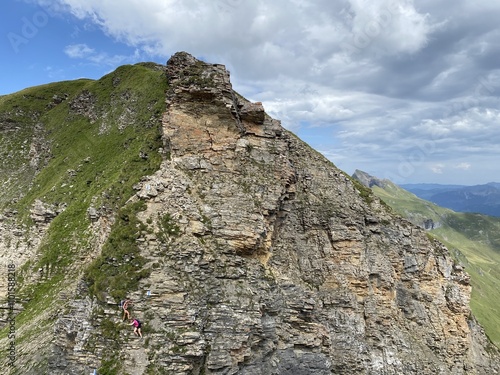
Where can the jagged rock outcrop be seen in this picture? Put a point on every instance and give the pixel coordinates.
(264, 258)
(43, 213)
(367, 179)
(84, 105)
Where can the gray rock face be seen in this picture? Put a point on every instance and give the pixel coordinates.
(274, 262)
(43, 213)
(84, 105)
(368, 180)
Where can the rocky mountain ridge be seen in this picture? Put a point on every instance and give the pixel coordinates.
(247, 252)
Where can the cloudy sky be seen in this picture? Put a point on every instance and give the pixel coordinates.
(402, 89)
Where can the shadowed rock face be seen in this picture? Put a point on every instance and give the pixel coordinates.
(273, 262)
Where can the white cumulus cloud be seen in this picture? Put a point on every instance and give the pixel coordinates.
(78, 51)
(464, 166)
(437, 168)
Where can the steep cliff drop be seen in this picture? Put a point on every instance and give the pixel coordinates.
(264, 258)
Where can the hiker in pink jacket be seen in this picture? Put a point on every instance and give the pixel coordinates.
(137, 327)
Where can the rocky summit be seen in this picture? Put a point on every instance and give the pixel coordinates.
(241, 249)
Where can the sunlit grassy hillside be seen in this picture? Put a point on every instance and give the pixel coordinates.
(74, 146)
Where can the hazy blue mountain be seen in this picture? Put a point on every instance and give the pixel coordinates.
(483, 199)
(433, 186)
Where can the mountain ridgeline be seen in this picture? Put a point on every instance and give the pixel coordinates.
(243, 250)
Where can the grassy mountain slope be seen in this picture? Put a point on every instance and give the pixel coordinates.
(74, 146)
(473, 239)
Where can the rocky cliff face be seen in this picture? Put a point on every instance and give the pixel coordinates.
(262, 258)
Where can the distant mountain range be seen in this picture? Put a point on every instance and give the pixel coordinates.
(484, 199)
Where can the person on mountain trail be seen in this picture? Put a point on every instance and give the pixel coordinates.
(126, 314)
(137, 327)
